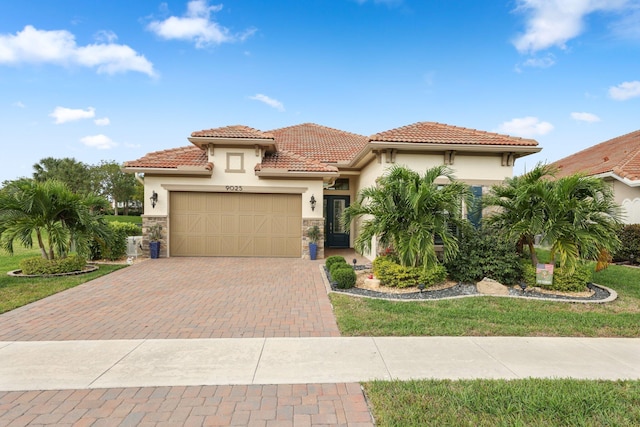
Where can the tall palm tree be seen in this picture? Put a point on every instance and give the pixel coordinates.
(58, 218)
(407, 210)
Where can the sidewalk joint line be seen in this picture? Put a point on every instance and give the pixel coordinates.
(492, 356)
(384, 362)
(116, 362)
(255, 371)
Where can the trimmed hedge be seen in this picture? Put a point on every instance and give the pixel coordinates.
(563, 282)
(630, 249)
(485, 253)
(344, 276)
(395, 275)
(39, 265)
(116, 246)
(338, 265)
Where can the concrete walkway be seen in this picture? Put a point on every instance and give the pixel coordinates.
(61, 365)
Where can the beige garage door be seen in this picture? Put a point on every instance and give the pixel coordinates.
(235, 224)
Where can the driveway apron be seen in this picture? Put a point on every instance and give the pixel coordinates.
(184, 298)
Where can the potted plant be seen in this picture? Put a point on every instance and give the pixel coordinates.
(313, 233)
(155, 235)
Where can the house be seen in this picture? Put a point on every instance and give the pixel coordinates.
(617, 161)
(239, 191)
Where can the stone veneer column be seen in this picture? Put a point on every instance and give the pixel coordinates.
(306, 225)
(148, 221)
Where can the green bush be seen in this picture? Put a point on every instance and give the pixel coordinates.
(394, 275)
(334, 259)
(630, 249)
(338, 265)
(115, 247)
(345, 277)
(485, 253)
(562, 281)
(39, 265)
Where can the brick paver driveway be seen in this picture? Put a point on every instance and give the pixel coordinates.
(184, 298)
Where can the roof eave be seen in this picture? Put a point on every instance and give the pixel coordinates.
(183, 170)
(432, 146)
(294, 174)
(204, 141)
(627, 181)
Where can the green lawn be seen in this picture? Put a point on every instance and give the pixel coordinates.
(17, 291)
(526, 402)
(495, 316)
(134, 219)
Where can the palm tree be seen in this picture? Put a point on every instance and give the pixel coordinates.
(521, 205)
(582, 221)
(576, 215)
(60, 219)
(406, 210)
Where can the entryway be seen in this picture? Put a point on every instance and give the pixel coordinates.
(336, 234)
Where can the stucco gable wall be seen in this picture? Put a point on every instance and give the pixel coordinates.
(629, 199)
(231, 175)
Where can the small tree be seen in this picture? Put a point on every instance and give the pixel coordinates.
(407, 210)
(59, 219)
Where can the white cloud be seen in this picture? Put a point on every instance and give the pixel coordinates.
(59, 47)
(102, 122)
(544, 62)
(101, 142)
(19, 104)
(197, 25)
(269, 101)
(626, 90)
(554, 22)
(585, 117)
(527, 127)
(64, 115)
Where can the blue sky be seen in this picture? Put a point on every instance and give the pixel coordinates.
(113, 80)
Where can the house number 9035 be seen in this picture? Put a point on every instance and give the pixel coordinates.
(234, 188)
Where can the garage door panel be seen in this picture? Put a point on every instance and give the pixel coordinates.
(236, 224)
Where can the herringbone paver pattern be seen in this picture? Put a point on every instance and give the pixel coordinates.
(254, 405)
(184, 298)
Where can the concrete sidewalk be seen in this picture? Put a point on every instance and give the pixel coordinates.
(57, 365)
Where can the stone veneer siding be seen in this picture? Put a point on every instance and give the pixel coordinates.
(306, 225)
(148, 221)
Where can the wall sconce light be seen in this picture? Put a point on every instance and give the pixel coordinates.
(154, 199)
(312, 201)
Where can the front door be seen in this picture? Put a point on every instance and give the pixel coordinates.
(337, 235)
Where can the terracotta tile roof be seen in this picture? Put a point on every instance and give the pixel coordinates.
(620, 155)
(235, 131)
(292, 162)
(320, 143)
(439, 133)
(173, 158)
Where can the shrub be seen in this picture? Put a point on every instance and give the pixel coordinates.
(338, 265)
(562, 281)
(394, 275)
(334, 259)
(485, 253)
(39, 265)
(345, 277)
(115, 247)
(630, 249)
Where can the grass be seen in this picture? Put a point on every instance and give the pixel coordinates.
(495, 316)
(526, 402)
(17, 291)
(134, 219)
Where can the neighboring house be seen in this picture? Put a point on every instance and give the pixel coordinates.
(238, 191)
(617, 161)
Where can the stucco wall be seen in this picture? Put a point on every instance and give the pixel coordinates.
(472, 169)
(629, 199)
